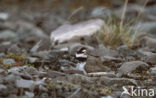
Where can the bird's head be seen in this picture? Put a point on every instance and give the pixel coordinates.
(81, 54)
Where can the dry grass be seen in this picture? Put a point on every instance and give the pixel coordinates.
(113, 35)
(117, 32)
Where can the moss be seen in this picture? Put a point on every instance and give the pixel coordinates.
(20, 60)
(15, 56)
(6, 66)
(105, 91)
(28, 64)
(52, 85)
(61, 83)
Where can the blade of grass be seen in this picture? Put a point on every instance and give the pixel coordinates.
(123, 14)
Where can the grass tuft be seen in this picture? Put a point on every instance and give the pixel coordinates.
(113, 35)
(116, 33)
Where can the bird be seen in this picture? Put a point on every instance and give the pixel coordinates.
(81, 56)
(88, 63)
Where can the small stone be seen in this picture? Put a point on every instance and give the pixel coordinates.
(8, 61)
(4, 16)
(32, 59)
(3, 90)
(2, 70)
(53, 74)
(94, 64)
(11, 78)
(29, 94)
(76, 31)
(1, 54)
(129, 67)
(117, 81)
(153, 70)
(7, 34)
(103, 51)
(151, 59)
(2, 87)
(149, 42)
(101, 12)
(29, 84)
(15, 49)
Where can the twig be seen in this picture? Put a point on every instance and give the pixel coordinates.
(141, 11)
(100, 73)
(123, 14)
(75, 11)
(78, 89)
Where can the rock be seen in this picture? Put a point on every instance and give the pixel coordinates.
(40, 54)
(12, 96)
(32, 59)
(7, 35)
(78, 78)
(2, 87)
(85, 93)
(129, 67)
(28, 84)
(43, 95)
(11, 78)
(31, 70)
(145, 52)
(2, 70)
(153, 70)
(1, 55)
(76, 31)
(29, 94)
(5, 46)
(26, 72)
(150, 12)
(149, 42)
(117, 81)
(4, 16)
(151, 59)
(73, 71)
(109, 58)
(101, 12)
(15, 49)
(24, 27)
(54, 74)
(8, 61)
(149, 27)
(106, 97)
(94, 64)
(102, 51)
(3, 90)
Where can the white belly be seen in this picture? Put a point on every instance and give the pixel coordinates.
(80, 66)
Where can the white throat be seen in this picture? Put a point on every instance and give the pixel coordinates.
(81, 56)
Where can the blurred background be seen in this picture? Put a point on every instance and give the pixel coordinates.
(49, 14)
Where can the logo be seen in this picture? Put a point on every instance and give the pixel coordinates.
(137, 91)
